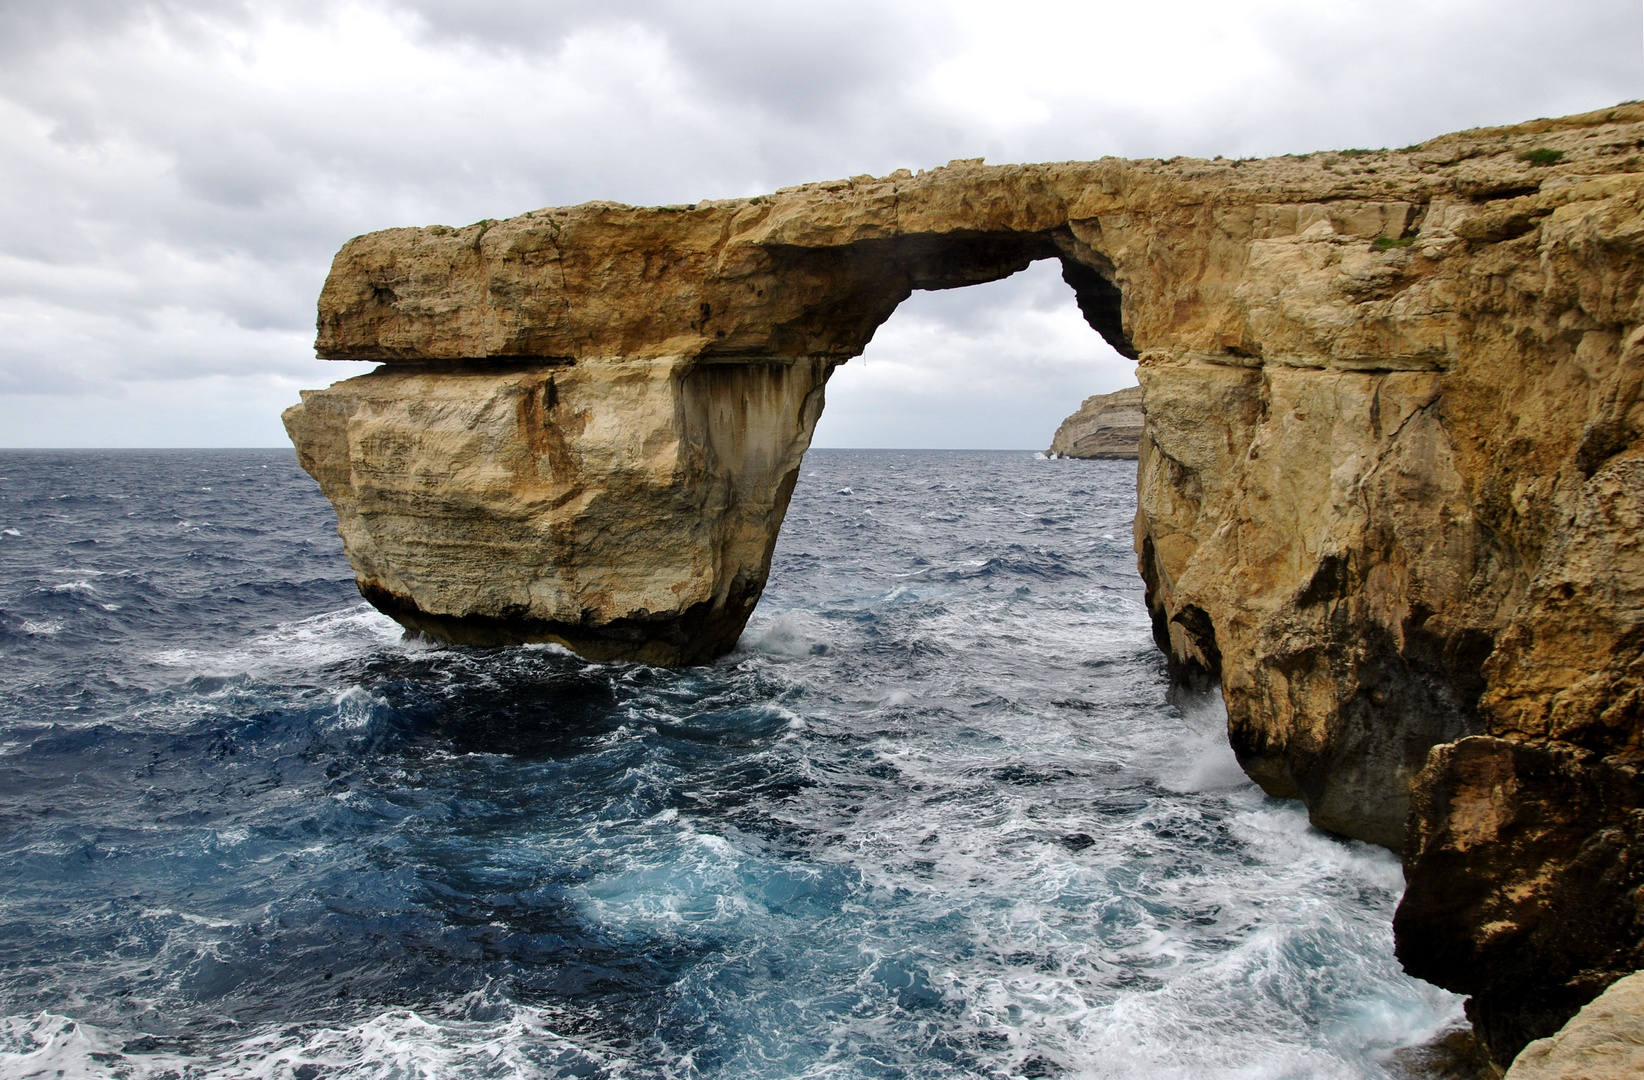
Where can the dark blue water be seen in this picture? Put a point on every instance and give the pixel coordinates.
(935, 817)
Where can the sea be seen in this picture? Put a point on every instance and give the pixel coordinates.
(938, 815)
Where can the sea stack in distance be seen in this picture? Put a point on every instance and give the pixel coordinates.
(1106, 426)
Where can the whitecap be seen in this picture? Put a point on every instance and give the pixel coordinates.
(49, 1045)
(792, 633)
(400, 1043)
(553, 648)
(302, 645)
(357, 707)
(1202, 759)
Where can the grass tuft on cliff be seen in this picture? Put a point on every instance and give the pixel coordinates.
(1544, 156)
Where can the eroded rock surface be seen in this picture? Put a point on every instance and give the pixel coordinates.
(1527, 871)
(1605, 1041)
(1106, 426)
(1390, 490)
(626, 508)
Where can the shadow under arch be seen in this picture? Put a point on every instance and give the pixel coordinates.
(869, 279)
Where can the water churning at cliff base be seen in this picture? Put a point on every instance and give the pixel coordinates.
(936, 816)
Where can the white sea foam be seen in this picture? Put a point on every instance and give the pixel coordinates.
(1201, 758)
(47, 1045)
(302, 645)
(400, 1044)
(552, 647)
(356, 707)
(790, 633)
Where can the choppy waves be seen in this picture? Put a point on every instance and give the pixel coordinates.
(934, 817)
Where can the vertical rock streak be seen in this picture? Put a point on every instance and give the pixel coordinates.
(1390, 487)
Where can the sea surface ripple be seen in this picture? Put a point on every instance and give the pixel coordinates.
(935, 817)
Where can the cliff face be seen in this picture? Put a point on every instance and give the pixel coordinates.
(1106, 426)
(1390, 493)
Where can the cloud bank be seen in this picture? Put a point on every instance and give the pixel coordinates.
(178, 173)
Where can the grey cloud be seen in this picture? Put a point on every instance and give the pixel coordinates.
(797, 61)
(168, 212)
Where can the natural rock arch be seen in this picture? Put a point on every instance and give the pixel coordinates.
(623, 396)
(590, 419)
(1389, 492)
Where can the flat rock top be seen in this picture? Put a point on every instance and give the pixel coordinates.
(812, 269)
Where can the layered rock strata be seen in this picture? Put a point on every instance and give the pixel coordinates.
(626, 507)
(1391, 487)
(1106, 426)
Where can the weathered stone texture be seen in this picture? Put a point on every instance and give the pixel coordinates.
(625, 508)
(1106, 426)
(1605, 1041)
(1390, 491)
(1527, 870)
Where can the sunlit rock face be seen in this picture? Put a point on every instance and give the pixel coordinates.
(1391, 487)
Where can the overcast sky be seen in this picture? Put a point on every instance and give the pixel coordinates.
(176, 175)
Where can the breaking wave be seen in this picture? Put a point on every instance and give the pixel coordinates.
(936, 816)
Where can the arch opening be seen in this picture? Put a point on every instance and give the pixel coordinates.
(993, 365)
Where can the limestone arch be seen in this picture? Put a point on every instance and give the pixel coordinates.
(623, 468)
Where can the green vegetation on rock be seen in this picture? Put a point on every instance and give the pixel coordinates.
(1544, 156)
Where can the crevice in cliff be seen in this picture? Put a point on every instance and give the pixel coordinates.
(1195, 661)
(490, 365)
(1200, 633)
(1602, 441)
